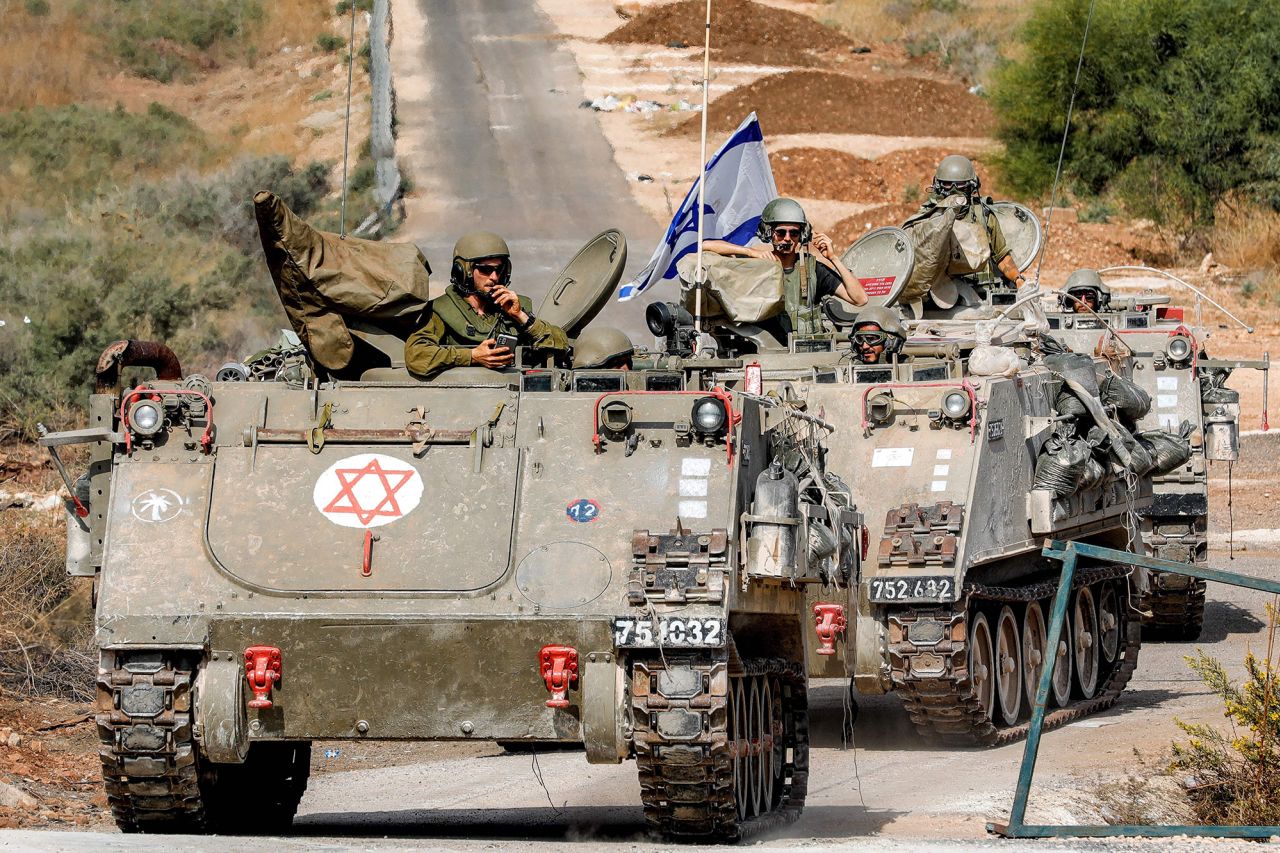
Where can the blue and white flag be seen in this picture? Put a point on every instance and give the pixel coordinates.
(739, 185)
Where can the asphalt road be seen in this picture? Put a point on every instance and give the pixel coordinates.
(888, 790)
(487, 105)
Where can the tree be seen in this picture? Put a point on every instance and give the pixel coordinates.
(1178, 106)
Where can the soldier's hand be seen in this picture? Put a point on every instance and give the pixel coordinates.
(489, 354)
(506, 300)
(822, 244)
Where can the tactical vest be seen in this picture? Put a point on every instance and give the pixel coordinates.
(466, 326)
(799, 290)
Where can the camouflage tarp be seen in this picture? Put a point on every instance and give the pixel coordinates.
(322, 278)
(931, 233)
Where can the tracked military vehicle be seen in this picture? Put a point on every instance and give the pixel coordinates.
(953, 467)
(1172, 364)
(610, 558)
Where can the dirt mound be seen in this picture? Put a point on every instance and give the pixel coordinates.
(840, 176)
(741, 31)
(823, 102)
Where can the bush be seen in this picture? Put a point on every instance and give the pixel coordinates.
(1235, 779)
(169, 39)
(330, 43)
(1177, 106)
(343, 7)
(52, 156)
(178, 260)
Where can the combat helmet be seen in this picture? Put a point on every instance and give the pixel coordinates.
(888, 321)
(474, 247)
(600, 345)
(955, 172)
(1083, 280)
(782, 210)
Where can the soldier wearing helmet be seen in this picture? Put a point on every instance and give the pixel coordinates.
(603, 348)
(1089, 293)
(877, 334)
(979, 245)
(807, 278)
(477, 307)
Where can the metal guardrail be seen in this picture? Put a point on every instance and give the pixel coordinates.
(1069, 553)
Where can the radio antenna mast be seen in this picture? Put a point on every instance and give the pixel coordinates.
(701, 274)
(1062, 150)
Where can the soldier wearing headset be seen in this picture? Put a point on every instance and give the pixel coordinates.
(808, 276)
(478, 314)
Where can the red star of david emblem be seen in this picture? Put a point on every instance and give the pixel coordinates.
(349, 478)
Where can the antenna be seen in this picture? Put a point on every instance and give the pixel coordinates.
(346, 133)
(1062, 150)
(701, 274)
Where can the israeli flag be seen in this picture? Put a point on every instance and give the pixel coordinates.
(739, 185)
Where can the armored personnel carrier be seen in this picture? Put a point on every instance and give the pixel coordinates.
(1172, 365)
(613, 558)
(955, 467)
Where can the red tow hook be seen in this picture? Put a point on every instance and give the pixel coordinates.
(559, 669)
(262, 668)
(828, 622)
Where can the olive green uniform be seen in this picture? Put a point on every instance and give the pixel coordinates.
(454, 328)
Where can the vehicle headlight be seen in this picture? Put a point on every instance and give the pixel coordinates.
(1178, 348)
(880, 407)
(708, 415)
(955, 404)
(145, 417)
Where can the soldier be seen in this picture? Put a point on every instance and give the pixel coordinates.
(603, 348)
(878, 335)
(979, 245)
(1089, 292)
(475, 309)
(785, 228)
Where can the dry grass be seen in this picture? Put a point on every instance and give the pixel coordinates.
(34, 589)
(1246, 238)
(45, 60)
(966, 36)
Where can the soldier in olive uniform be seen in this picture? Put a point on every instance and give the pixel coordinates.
(1089, 292)
(478, 306)
(979, 249)
(877, 335)
(786, 230)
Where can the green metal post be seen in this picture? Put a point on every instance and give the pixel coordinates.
(1019, 811)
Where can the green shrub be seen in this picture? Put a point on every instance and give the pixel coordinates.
(164, 39)
(1177, 105)
(1096, 210)
(1235, 777)
(330, 43)
(177, 260)
(38, 8)
(343, 7)
(56, 155)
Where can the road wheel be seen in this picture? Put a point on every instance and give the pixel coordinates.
(1033, 645)
(1109, 615)
(1008, 660)
(982, 669)
(1060, 695)
(1086, 645)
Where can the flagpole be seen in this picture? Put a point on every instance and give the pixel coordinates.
(702, 175)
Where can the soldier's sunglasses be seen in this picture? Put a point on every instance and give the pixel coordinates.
(784, 233)
(489, 269)
(870, 339)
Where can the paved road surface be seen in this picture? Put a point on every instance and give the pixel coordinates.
(893, 792)
(494, 138)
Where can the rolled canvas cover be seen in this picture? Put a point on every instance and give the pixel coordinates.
(322, 278)
(745, 290)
